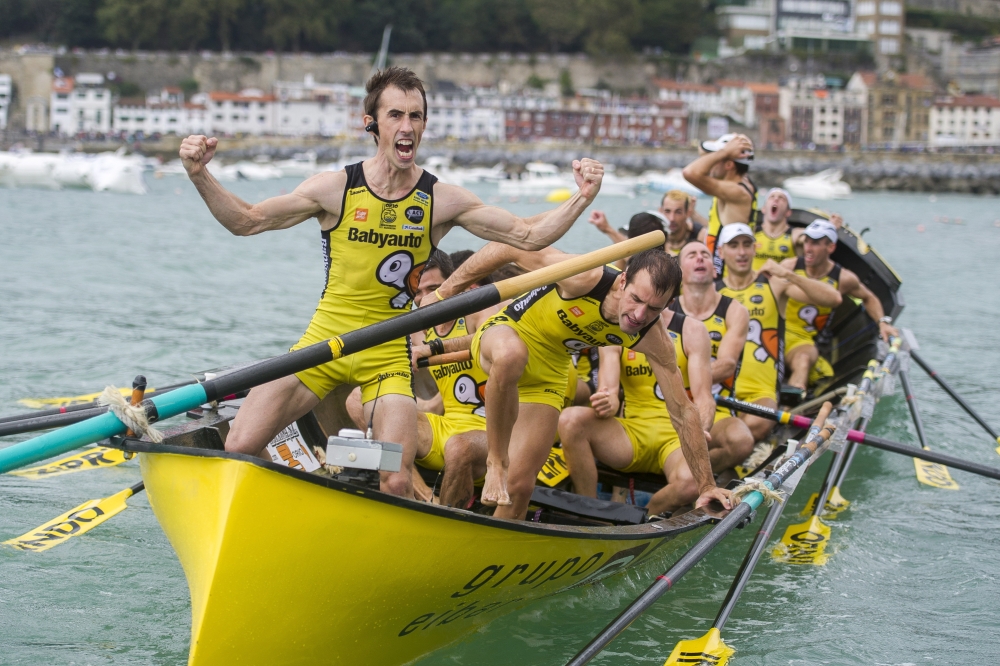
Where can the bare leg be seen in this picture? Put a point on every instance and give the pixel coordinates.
(464, 462)
(269, 408)
(801, 359)
(356, 410)
(586, 439)
(582, 394)
(760, 428)
(503, 355)
(530, 444)
(396, 421)
(731, 444)
(681, 488)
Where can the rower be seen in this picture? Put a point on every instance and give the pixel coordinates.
(673, 218)
(764, 293)
(379, 220)
(776, 240)
(526, 350)
(807, 322)
(727, 322)
(643, 439)
(721, 171)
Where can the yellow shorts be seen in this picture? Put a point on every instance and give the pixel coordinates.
(822, 368)
(381, 370)
(546, 376)
(755, 394)
(652, 441)
(795, 338)
(444, 428)
(721, 413)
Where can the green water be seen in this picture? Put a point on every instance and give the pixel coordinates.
(95, 288)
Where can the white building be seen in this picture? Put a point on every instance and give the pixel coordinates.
(246, 112)
(882, 22)
(968, 120)
(6, 92)
(699, 97)
(821, 116)
(78, 105)
(473, 114)
(311, 108)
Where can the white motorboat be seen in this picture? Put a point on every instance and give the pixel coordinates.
(301, 165)
(660, 181)
(538, 179)
(824, 186)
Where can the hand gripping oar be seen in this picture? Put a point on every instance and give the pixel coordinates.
(444, 359)
(185, 398)
(928, 474)
(813, 441)
(861, 437)
(956, 397)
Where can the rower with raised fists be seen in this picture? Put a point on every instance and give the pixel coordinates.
(807, 322)
(526, 352)
(379, 221)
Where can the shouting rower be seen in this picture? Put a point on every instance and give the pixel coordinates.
(807, 322)
(526, 351)
(379, 221)
(721, 171)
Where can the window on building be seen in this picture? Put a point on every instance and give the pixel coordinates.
(865, 8)
(888, 27)
(888, 46)
(890, 8)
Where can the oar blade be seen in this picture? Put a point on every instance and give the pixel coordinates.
(835, 505)
(555, 470)
(934, 475)
(93, 458)
(73, 523)
(66, 401)
(804, 543)
(709, 649)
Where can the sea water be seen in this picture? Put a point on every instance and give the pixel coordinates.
(96, 288)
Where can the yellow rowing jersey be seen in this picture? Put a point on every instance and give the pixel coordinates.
(763, 362)
(779, 248)
(462, 384)
(716, 325)
(805, 321)
(643, 396)
(715, 225)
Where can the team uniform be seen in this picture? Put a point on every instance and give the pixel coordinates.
(553, 328)
(763, 362)
(805, 322)
(779, 248)
(715, 225)
(374, 257)
(716, 325)
(588, 362)
(692, 237)
(463, 392)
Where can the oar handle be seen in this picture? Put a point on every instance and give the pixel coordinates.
(444, 359)
(138, 390)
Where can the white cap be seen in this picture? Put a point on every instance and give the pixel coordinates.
(821, 229)
(718, 144)
(731, 231)
(782, 192)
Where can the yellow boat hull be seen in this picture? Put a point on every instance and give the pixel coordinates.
(286, 567)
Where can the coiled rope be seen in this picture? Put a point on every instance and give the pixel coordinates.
(750, 485)
(134, 416)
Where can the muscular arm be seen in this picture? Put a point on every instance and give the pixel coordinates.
(732, 344)
(605, 398)
(698, 349)
(850, 285)
(659, 351)
(789, 284)
(457, 206)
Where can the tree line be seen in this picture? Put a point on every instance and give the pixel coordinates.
(598, 27)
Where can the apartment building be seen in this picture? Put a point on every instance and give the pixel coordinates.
(899, 107)
(80, 104)
(883, 22)
(819, 116)
(965, 121)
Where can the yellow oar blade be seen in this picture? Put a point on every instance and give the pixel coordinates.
(835, 504)
(73, 523)
(93, 458)
(66, 401)
(709, 649)
(934, 475)
(555, 469)
(804, 543)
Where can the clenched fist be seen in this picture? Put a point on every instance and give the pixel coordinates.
(196, 151)
(588, 174)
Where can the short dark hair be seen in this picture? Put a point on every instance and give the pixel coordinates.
(440, 261)
(458, 258)
(643, 223)
(506, 271)
(664, 269)
(399, 77)
(741, 169)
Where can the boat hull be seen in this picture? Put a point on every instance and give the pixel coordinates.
(288, 569)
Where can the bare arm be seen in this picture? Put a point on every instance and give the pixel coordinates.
(458, 206)
(698, 349)
(852, 286)
(319, 196)
(732, 344)
(697, 173)
(600, 221)
(605, 398)
(789, 284)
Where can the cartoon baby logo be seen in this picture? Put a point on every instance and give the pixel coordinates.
(813, 319)
(657, 392)
(765, 339)
(468, 392)
(575, 345)
(397, 270)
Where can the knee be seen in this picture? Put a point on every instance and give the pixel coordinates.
(355, 408)
(458, 452)
(509, 357)
(398, 484)
(683, 482)
(573, 424)
(520, 489)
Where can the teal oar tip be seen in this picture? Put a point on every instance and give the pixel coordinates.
(94, 429)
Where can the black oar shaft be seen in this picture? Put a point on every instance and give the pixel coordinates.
(914, 412)
(48, 422)
(954, 396)
(829, 482)
(932, 456)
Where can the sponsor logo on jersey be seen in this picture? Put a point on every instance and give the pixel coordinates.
(783, 248)
(413, 227)
(757, 312)
(715, 335)
(613, 339)
(631, 355)
(597, 326)
(756, 298)
(577, 329)
(384, 240)
(421, 196)
(577, 312)
(444, 371)
(361, 215)
(638, 371)
(357, 190)
(414, 213)
(718, 320)
(388, 213)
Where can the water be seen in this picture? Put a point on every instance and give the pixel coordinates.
(95, 288)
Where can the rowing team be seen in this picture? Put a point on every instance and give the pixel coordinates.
(380, 220)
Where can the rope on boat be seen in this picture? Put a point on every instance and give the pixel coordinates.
(134, 416)
(750, 485)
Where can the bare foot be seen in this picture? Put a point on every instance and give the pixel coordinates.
(495, 487)
(420, 489)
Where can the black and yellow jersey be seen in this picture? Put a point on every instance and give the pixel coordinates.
(763, 362)
(778, 249)
(588, 362)
(715, 225)
(463, 384)
(643, 396)
(716, 325)
(804, 321)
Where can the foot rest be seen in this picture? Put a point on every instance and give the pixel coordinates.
(612, 512)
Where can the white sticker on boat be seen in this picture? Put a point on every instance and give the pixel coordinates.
(289, 448)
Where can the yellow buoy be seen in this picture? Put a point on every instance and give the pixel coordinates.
(558, 195)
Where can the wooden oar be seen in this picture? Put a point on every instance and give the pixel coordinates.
(74, 522)
(185, 398)
(815, 440)
(444, 359)
(861, 437)
(928, 474)
(956, 397)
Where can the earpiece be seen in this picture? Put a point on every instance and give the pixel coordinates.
(372, 127)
